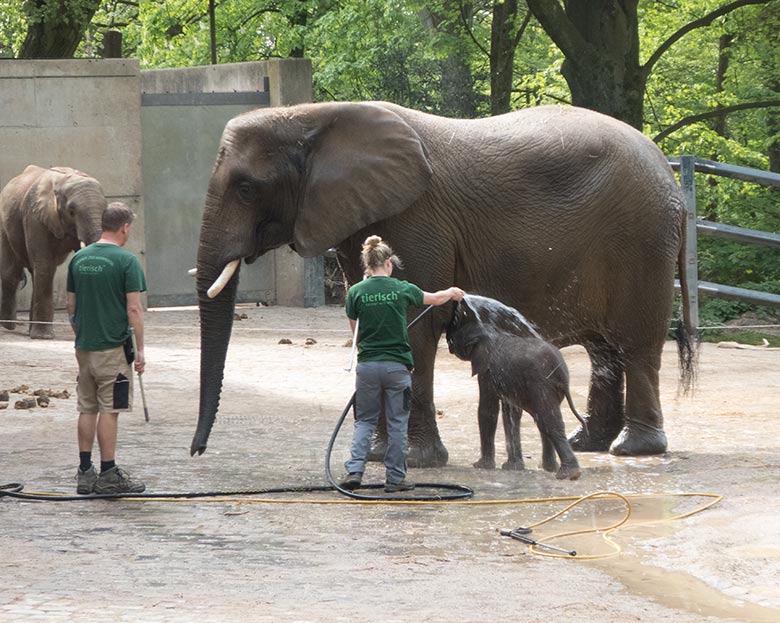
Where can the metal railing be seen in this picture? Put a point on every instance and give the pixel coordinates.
(687, 166)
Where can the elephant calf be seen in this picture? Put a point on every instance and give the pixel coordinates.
(524, 372)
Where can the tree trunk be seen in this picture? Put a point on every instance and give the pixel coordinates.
(600, 40)
(56, 27)
(300, 17)
(502, 55)
(457, 82)
(724, 57)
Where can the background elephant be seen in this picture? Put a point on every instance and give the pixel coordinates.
(44, 214)
(523, 372)
(570, 216)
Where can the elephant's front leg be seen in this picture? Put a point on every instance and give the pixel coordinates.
(425, 446)
(487, 418)
(605, 400)
(42, 308)
(643, 431)
(511, 418)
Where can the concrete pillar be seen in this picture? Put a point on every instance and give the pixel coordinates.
(290, 83)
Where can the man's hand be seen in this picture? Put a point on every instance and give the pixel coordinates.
(140, 362)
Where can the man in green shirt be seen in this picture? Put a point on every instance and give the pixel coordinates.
(104, 303)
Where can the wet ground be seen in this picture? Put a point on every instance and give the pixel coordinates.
(318, 557)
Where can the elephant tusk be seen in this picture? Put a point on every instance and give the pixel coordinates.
(192, 271)
(223, 278)
(82, 243)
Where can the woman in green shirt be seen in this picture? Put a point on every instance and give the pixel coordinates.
(377, 305)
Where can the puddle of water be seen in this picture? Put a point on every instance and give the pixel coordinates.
(681, 591)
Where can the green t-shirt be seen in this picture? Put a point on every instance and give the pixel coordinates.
(380, 304)
(101, 275)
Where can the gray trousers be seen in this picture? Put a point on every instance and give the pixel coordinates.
(381, 383)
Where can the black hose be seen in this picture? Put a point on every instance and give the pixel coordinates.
(461, 490)
(14, 490)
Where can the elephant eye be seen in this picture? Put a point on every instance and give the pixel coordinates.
(245, 192)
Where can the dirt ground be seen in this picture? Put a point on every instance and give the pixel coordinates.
(319, 557)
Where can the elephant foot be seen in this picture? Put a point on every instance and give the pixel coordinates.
(596, 439)
(485, 463)
(516, 465)
(569, 472)
(639, 439)
(431, 455)
(41, 332)
(9, 325)
(549, 466)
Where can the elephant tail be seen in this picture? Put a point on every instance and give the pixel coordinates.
(686, 332)
(576, 413)
(687, 352)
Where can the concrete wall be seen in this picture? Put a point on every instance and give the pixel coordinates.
(88, 114)
(183, 114)
(83, 114)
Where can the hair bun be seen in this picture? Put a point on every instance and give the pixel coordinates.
(372, 241)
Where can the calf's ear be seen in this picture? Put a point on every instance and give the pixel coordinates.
(480, 358)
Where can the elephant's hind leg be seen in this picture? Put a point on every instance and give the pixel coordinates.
(550, 423)
(605, 400)
(643, 432)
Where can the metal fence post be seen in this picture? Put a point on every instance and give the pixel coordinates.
(691, 268)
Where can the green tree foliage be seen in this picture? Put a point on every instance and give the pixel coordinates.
(11, 28)
(685, 85)
(679, 69)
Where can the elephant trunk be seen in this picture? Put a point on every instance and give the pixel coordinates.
(89, 216)
(216, 323)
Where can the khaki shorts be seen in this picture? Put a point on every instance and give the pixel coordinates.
(105, 381)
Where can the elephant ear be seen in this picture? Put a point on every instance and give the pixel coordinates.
(480, 358)
(365, 164)
(45, 201)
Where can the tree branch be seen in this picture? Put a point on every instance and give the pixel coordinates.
(469, 31)
(522, 28)
(686, 121)
(552, 16)
(699, 23)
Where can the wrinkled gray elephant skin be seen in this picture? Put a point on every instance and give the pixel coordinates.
(45, 213)
(567, 215)
(524, 373)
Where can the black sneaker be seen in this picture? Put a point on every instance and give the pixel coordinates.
(85, 480)
(116, 480)
(352, 481)
(404, 485)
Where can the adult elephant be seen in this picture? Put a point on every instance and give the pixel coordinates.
(571, 217)
(45, 213)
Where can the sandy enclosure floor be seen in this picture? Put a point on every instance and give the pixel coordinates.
(243, 560)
